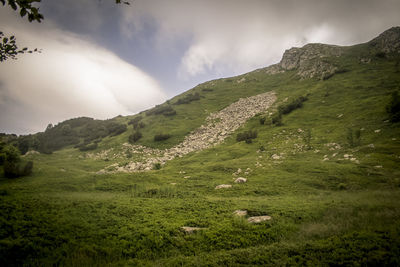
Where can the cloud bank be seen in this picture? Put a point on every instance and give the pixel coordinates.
(233, 36)
(72, 77)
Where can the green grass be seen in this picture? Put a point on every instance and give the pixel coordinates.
(324, 212)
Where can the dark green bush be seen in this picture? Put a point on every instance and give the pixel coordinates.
(262, 120)
(246, 136)
(294, 104)
(188, 98)
(14, 169)
(157, 166)
(161, 110)
(353, 137)
(135, 120)
(133, 138)
(393, 108)
(161, 137)
(87, 147)
(277, 119)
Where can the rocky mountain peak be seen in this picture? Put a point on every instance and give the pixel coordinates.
(388, 41)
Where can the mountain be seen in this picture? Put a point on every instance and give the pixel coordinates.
(292, 164)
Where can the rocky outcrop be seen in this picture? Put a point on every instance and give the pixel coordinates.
(310, 60)
(388, 41)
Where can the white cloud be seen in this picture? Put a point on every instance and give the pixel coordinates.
(72, 77)
(233, 36)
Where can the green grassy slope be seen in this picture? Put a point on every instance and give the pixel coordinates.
(331, 203)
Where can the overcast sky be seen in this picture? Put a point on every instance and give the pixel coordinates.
(100, 59)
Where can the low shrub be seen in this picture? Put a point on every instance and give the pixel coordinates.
(87, 147)
(14, 169)
(277, 119)
(133, 138)
(135, 120)
(246, 136)
(393, 108)
(157, 166)
(161, 137)
(294, 104)
(161, 110)
(353, 137)
(262, 120)
(188, 98)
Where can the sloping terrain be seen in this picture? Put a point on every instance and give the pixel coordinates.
(323, 166)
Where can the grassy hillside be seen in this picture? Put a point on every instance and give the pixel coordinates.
(333, 200)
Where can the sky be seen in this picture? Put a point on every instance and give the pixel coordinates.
(100, 60)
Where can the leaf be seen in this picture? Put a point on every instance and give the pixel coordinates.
(5, 40)
(13, 5)
(23, 12)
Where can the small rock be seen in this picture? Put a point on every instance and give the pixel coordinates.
(258, 219)
(377, 131)
(223, 186)
(371, 146)
(186, 177)
(340, 115)
(275, 156)
(191, 230)
(240, 213)
(240, 180)
(173, 183)
(378, 166)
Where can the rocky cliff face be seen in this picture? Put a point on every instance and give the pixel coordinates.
(310, 60)
(388, 41)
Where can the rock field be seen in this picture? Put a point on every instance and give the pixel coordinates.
(218, 126)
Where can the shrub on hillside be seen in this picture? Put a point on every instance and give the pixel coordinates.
(277, 119)
(161, 137)
(87, 147)
(13, 165)
(135, 120)
(353, 137)
(115, 128)
(246, 136)
(262, 120)
(161, 110)
(294, 104)
(188, 98)
(133, 138)
(393, 108)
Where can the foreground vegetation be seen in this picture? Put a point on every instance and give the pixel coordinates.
(332, 201)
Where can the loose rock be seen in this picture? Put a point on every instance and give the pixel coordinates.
(258, 219)
(240, 213)
(223, 186)
(240, 180)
